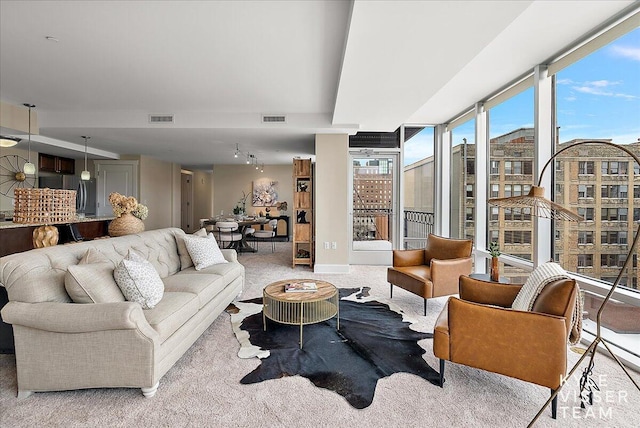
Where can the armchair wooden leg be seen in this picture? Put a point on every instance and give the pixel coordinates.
(425, 307)
(441, 373)
(554, 405)
(390, 290)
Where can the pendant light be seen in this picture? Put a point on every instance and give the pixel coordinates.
(85, 175)
(235, 155)
(28, 167)
(6, 141)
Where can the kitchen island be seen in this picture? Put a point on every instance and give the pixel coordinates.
(18, 237)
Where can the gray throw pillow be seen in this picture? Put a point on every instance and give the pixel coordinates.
(139, 280)
(204, 251)
(91, 280)
(185, 258)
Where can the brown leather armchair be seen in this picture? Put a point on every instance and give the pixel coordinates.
(433, 271)
(531, 346)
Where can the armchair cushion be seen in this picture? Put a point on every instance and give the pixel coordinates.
(446, 248)
(487, 293)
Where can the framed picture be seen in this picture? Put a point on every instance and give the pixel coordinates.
(264, 193)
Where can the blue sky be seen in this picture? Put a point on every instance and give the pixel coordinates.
(597, 97)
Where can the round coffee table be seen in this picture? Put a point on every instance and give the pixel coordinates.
(300, 308)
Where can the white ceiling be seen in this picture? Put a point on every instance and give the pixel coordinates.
(329, 66)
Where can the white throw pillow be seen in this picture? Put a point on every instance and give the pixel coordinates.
(204, 251)
(185, 258)
(91, 280)
(139, 280)
(541, 276)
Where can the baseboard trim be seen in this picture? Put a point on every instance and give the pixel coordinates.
(321, 268)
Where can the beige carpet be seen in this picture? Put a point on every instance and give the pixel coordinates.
(203, 389)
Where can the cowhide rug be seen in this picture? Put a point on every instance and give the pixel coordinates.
(373, 342)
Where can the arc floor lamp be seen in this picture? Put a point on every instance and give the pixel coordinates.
(544, 208)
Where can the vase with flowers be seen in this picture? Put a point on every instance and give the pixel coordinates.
(129, 215)
(241, 207)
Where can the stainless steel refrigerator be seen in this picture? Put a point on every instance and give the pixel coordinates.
(86, 197)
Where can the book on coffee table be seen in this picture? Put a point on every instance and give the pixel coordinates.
(300, 287)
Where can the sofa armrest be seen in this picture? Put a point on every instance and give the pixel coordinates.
(446, 273)
(78, 318)
(403, 258)
(487, 293)
(230, 255)
(526, 345)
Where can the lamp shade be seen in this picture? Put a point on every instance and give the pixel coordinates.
(6, 141)
(538, 204)
(29, 168)
(85, 175)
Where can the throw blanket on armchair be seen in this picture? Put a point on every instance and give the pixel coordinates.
(541, 276)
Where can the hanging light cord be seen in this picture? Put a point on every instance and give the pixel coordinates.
(85, 153)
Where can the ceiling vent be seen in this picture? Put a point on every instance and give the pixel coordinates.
(274, 118)
(160, 118)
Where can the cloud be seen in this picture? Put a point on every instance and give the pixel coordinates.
(632, 53)
(601, 87)
(602, 83)
(564, 82)
(571, 98)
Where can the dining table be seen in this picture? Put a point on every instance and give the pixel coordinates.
(241, 246)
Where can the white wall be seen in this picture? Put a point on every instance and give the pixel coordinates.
(202, 196)
(331, 205)
(159, 182)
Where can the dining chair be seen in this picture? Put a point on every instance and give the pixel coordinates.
(228, 233)
(264, 235)
(248, 232)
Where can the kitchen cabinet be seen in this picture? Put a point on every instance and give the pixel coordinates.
(57, 164)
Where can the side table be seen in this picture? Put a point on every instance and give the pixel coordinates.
(487, 277)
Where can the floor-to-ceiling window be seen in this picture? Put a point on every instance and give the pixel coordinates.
(598, 98)
(418, 178)
(511, 155)
(463, 180)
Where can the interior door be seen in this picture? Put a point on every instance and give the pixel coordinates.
(374, 204)
(114, 176)
(186, 205)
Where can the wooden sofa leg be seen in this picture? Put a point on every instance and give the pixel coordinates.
(441, 373)
(554, 405)
(390, 290)
(151, 391)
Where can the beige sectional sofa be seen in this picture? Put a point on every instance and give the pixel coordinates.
(61, 345)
